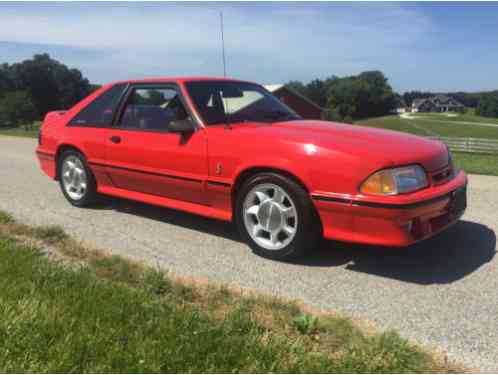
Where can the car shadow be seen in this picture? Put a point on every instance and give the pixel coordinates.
(445, 258)
(172, 217)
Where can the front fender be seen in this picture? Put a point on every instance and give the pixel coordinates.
(299, 170)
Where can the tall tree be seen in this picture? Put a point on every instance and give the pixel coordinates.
(7, 81)
(488, 104)
(50, 84)
(317, 92)
(365, 95)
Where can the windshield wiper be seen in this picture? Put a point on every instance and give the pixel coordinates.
(270, 115)
(279, 115)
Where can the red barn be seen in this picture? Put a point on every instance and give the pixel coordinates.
(298, 103)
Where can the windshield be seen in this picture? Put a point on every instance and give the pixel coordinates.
(220, 102)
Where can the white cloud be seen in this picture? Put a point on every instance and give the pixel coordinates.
(267, 43)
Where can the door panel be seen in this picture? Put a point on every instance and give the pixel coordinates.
(143, 155)
(164, 164)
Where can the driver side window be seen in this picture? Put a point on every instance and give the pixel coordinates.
(152, 108)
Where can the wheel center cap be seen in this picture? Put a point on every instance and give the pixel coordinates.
(269, 216)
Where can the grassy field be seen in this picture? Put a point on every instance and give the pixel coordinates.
(89, 312)
(434, 124)
(22, 131)
(393, 123)
(468, 116)
(476, 163)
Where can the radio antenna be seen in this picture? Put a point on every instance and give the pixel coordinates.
(225, 102)
(223, 46)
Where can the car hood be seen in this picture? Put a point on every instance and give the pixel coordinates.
(378, 146)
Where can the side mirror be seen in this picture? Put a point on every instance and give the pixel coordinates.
(181, 126)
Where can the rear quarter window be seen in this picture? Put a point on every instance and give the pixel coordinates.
(100, 112)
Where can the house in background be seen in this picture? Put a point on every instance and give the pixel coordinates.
(423, 105)
(438, 103)
(298, 103)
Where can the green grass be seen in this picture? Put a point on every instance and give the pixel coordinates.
(450, 129)
(468, 116)
(393, 123)
(22, 131)
(427, 127)
(112, 315)
(476, 163)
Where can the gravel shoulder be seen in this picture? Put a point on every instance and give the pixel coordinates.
(441, 293)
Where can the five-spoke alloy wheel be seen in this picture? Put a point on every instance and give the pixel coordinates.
(76, 179)
(275, 216)
(270, 216)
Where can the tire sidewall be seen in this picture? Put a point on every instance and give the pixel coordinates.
(302, 240)
(90, 194)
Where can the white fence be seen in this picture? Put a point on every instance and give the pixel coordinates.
(473, 145)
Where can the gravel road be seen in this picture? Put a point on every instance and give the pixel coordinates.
(442, 293)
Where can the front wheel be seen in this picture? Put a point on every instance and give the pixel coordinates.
(276, 218)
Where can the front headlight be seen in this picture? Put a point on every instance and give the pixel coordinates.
(395, 181)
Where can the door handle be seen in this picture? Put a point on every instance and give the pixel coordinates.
(115, 139)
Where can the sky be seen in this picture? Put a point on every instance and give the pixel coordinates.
(419, 46)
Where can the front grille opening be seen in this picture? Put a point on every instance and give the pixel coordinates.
(442, 176)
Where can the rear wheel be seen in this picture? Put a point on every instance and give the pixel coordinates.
(276, 217)
(76, 180)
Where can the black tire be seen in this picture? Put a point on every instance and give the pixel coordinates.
(90, 196)
(309, 228)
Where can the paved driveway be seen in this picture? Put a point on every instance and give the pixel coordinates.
(442, 293)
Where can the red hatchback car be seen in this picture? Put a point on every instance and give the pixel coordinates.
(229, 150)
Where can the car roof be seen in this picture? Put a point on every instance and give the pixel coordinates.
(178, 79)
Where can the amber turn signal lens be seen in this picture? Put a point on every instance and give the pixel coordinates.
(381, 182)
(395, 181)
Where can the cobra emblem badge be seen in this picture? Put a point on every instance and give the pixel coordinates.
(218, 168)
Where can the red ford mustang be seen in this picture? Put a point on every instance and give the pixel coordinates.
(229, 150)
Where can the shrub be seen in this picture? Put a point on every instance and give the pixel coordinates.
(17, 108)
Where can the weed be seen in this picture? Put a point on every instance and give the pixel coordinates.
(305, 323)
(6, 218)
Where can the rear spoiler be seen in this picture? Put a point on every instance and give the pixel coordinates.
(52, 116)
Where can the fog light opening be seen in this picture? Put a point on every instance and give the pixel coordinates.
(408, 226)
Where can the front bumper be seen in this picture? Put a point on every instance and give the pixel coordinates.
(392, 221)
